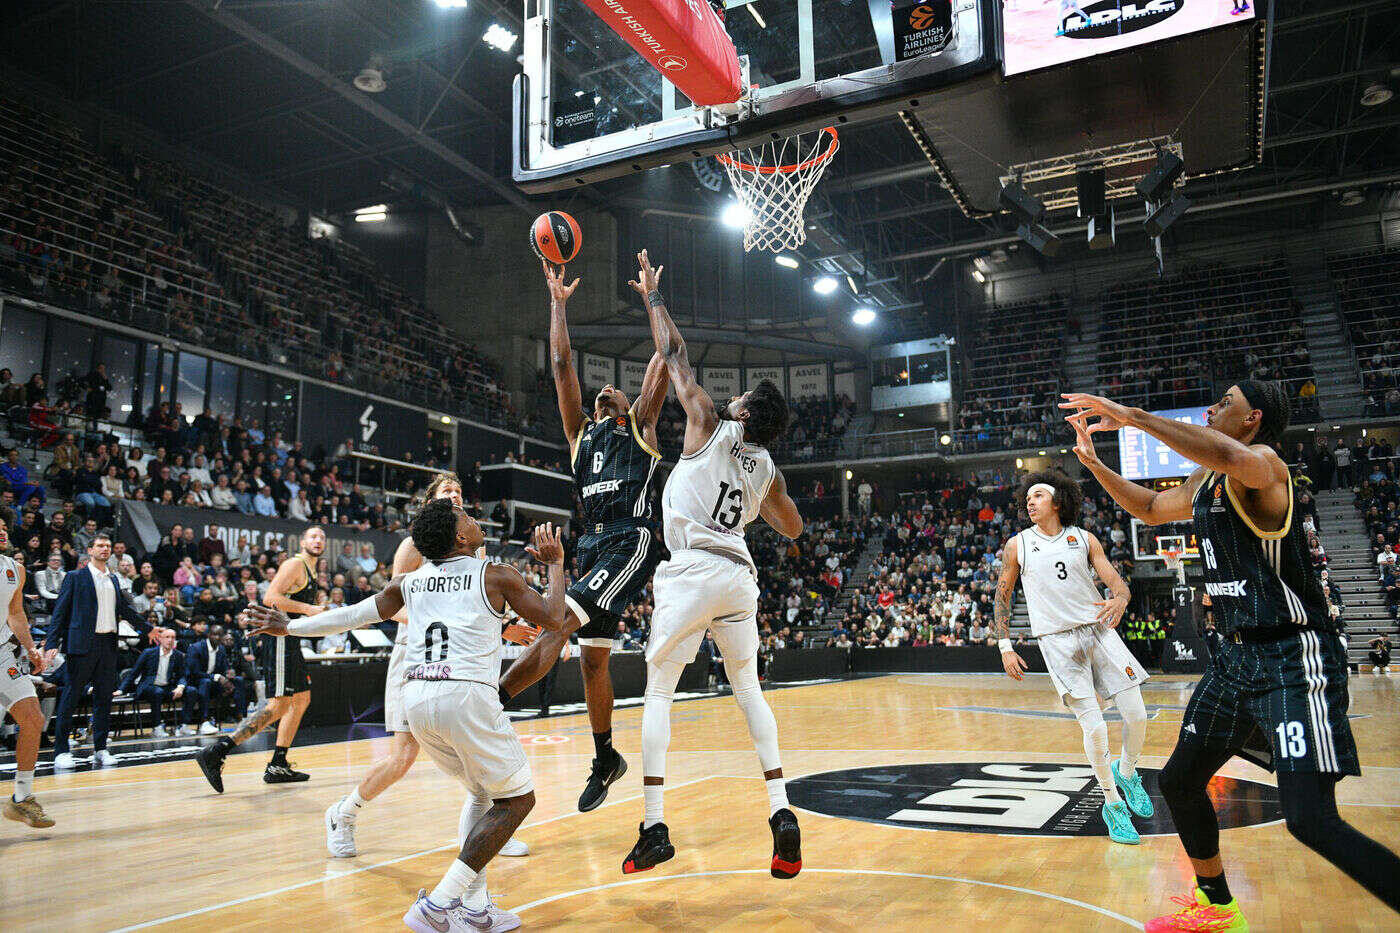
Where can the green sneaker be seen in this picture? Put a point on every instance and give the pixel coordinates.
(1133, 793)
(1120, 824)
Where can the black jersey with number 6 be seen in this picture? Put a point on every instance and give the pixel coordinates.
(613, 468)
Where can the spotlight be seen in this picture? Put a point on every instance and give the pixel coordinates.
(787, 262)
(945, 439)
(734, 215)
(863, 317)
(1156, 183)
(1089, 185)
(824, 285)
(849, 475)
(977, 274)
(1042, 240)
(1016, 199)
(499, 37)
(1166, 215)
(1351, 198)
(371, 80)
(1376, 94)
(451, 4)
(1101, 232)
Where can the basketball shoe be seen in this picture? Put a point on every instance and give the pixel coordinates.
(281, 772)
(1119, 821)
(211, 762)
(653, 847)
(426, 917)
(340, 832)
(604, 774)
(1133, 792)
(787, 844)
(27, 811)
(1200, 916)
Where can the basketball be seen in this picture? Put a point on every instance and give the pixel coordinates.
(555, 237)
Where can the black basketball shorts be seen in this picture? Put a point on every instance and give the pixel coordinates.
(614, 568)
(284, 669)
(1280, 703)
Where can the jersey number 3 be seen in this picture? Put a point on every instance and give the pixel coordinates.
(728, 517)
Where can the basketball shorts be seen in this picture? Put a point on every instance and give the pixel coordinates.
(15, 684)
(698, 590)
(461, 725)
(395, 719)
(284, 669)
(1090, 660)
(614, 568)
(1280, 703)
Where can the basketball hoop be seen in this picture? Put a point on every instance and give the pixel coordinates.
(773, 182)
(1172, 558)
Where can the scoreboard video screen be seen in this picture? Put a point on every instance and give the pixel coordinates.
(1043, 33)
(1142, 456)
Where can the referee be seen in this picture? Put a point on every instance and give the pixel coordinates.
(84, 627)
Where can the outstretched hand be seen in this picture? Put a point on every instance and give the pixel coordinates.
(1111, 415)
(554, 278)
(1083, 444)
(648, 279)
(264, 620)
(547, 548)
(1110, 611)
(1013, 664)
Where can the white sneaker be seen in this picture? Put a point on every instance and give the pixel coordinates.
(185, 729)
(208, 728)
(514, 848)
(64, 762)
(426, 917)
(160, 732)
(501, 919)
(104, 759)
(340, 833)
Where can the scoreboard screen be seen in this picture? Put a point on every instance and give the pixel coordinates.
(1044, 33)
(1142, 456)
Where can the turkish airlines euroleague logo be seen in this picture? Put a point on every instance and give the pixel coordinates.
(1015, 798)
(1105, 18)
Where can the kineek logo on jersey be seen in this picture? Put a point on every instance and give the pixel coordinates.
(367, 425)
(1229, 588)
(1116, 17)
(1005, 797)
(607, 485)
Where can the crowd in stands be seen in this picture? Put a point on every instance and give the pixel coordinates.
(1367, 283)
(1378, 502)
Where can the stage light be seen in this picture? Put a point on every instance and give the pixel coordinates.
(1101, 232)
(1022, 203)
(849, 475)
(451, 4)
(1020, 463)
(499, 37)
(851, 284)
(945, 439)
(977, 274)
(1163, 217)
(734, 215)
(824, 285)
(372, 209)
(1376, 94)
(863, 317)
(787, 262)
(370, 217)
(1042, 240)
(1155, 184)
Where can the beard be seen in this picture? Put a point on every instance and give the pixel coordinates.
(724, 413)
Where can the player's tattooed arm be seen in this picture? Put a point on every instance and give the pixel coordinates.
(1006, 588)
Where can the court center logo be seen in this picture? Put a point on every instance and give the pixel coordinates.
(1015, 798)
(1104, 18)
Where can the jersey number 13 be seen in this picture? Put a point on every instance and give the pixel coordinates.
(729, 506)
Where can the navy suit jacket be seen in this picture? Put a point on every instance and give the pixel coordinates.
(74, 619)
(198, 662)
(144, 673)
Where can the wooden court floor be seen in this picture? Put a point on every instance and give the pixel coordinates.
(152, 846)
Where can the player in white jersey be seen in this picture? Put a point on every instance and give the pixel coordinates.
(17, 691)
(455, 603)
(1074, 627)
(342, 815)
(724, 479)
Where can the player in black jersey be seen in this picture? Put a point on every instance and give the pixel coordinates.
(1276, 688)
(614, 454)
(293, 590)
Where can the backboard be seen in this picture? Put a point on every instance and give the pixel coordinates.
(588, 107)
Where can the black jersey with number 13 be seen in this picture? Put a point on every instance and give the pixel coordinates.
(613, 467)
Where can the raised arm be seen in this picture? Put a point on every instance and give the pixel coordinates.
(283, 583)
(19, 624)
(270, 621)
(647, 408)
(1111, 609)
(778, 509)
(561, 352)
(1154, 508)
(1011, 662)
(700, 416)
(506, 587)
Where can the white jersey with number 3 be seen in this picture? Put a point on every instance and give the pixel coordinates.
(1057, 579)
(9, 582)
(454, 633)
(715, 492)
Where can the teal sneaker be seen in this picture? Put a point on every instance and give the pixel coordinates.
(1133, 793)
(1120, 824)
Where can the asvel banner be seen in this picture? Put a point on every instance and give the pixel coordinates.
(597, 372)
(721, 382)
(807, 381)
(756, 374)
(633, 372)
(329, 416)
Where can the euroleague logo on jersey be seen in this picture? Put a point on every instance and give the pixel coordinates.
(1116, 17)
(1072, 541)
(13, 672)
(1016, 798)
(9, 575)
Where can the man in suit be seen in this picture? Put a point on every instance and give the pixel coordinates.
(159, 677)
(210, 676)
(84, 627)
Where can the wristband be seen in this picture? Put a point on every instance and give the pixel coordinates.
(1005, 645)
(654, 297)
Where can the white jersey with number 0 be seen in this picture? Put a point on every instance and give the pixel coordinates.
(1057, 579)
(9, 582)
(453, 631)
(716, 491)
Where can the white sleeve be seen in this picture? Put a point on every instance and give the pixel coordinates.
(364, 612)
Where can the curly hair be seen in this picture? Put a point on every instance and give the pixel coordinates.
(1068, 498)
(768, 413)
(434, 531)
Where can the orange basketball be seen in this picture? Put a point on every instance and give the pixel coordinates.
(555, 237)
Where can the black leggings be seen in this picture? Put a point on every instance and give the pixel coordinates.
(1309, 802)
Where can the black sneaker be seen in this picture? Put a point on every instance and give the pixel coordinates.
(211, 762)
(603, 776)
(787, 844)
(653, 847)
(283, 774)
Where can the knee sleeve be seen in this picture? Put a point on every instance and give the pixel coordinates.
(473, 808)
(763, 727)
(656, 715)
(1091, 721)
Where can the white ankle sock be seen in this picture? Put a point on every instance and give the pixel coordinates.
(651, 793)
(777, 795)
(350, 806)
(453, 884)
(24, 785)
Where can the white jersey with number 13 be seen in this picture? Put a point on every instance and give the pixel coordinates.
(715, 492)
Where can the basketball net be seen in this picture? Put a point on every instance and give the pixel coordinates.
(1173, 560)
(773, 182)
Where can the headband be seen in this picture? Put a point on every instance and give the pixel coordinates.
(1046, 486)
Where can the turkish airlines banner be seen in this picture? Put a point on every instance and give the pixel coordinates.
(683, 39)
(329, 416)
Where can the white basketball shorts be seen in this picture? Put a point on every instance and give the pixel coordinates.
(395, 719)
(695, 591)
(461, 725)
(15, 684)
(1088, 660)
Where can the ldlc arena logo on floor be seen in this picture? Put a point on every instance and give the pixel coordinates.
(1007, 797)
(1098, 20)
